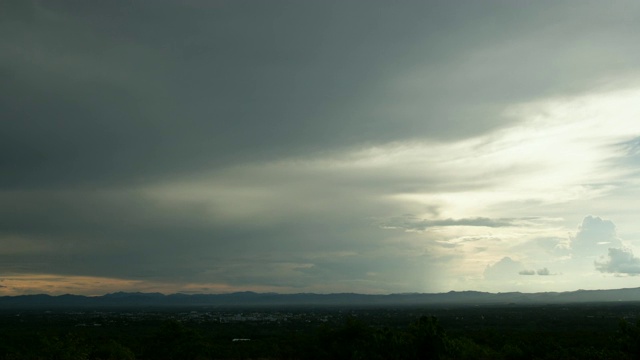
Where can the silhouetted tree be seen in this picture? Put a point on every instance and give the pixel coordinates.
(175, 341)
(628, 338)
(429, 338)
(112, 350)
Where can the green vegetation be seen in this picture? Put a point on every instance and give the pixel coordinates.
(595, 331)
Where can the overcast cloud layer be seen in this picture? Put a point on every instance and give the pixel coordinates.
(331, 146)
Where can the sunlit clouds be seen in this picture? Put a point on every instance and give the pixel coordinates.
(461, 196)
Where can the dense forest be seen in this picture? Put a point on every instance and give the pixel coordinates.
(586, 331)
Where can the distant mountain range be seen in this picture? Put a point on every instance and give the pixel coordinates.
(122, 299)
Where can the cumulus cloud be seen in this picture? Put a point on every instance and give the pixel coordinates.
(594, 235)
(504, 269)
(619, 261)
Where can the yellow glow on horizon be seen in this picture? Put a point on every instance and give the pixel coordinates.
(53, 284)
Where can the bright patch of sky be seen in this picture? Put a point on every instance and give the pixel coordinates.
(477, 200)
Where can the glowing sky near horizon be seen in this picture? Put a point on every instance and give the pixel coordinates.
(373, 147)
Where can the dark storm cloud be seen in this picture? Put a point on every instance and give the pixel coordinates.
(126, 91)
(132, 89)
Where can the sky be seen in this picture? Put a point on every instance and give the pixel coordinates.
(318, 146)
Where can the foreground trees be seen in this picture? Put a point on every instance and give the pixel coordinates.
(345, 338)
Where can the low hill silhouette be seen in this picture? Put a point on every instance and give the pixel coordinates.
(127, 299)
